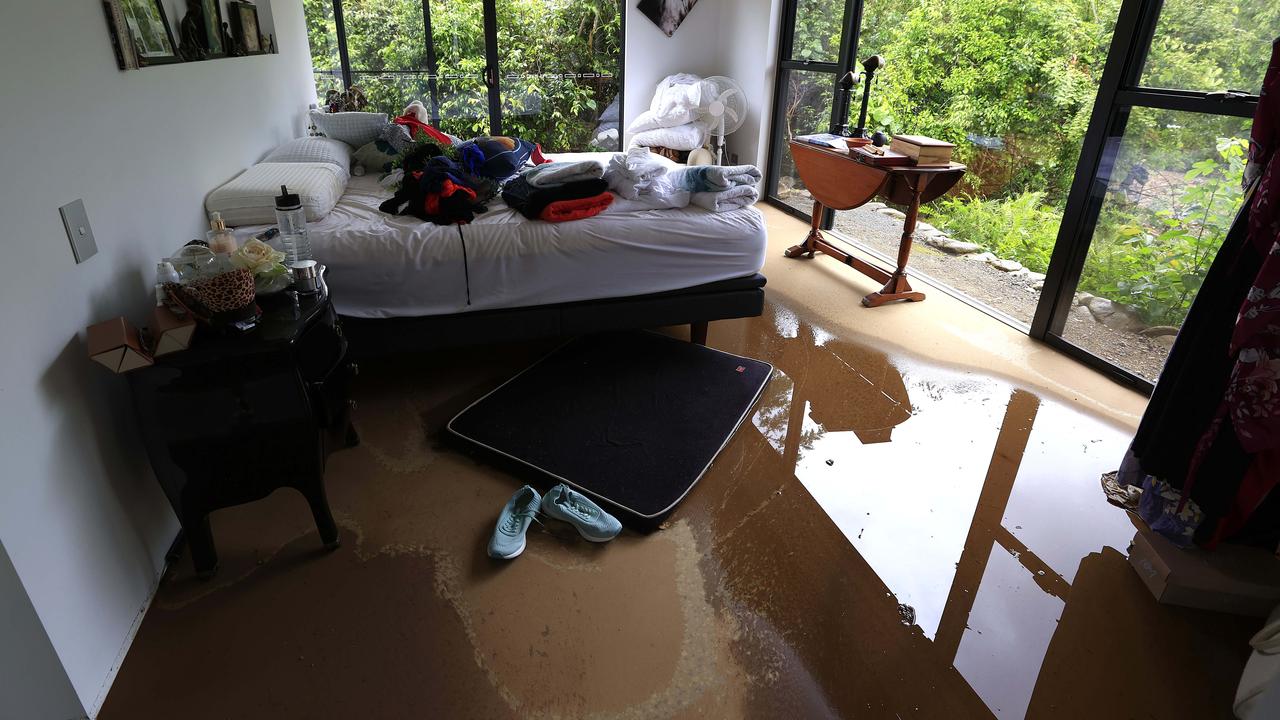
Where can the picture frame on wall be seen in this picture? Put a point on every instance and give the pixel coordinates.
(244, 27)
(149, 32)
(200, 34)
(213, 27)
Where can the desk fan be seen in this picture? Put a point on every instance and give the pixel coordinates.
(726, 113)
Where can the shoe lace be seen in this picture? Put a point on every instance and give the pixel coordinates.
(512, 524)
(572, 504)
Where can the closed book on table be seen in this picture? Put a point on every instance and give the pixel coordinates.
(825, 140)
(872, 155)
(116, 344)
(923, 150)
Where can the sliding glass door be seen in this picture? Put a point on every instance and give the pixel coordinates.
(547, 70)
(1159, 181)
(1104, 140)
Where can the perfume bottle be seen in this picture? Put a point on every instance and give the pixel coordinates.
(221, 240)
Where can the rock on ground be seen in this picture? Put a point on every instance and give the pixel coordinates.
(1005, 265)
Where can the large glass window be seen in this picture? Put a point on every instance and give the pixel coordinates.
(1104, 143)
(807, 98)
(1173, 187)
(1158, 185)
(547, 70)
(1212, 45)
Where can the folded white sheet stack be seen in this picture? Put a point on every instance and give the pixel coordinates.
(644, 181)
(672, 118)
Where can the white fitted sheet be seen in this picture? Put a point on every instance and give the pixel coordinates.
(388, 266)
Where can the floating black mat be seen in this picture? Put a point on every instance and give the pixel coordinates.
(632, 419)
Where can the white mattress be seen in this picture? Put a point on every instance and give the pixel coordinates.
(387, 266)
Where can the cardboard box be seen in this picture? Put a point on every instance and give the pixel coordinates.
(1231, 579)
(116, 344)
(169, 332)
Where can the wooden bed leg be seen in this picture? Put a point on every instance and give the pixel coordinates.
(698, 332)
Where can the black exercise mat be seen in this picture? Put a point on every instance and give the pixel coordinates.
(632, 419)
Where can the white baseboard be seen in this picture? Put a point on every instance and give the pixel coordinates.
(124, 647)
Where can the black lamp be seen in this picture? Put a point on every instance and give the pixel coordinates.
(869, 68)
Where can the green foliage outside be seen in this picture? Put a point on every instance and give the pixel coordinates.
(1157, 259)
(1013, 82)
(540, 42)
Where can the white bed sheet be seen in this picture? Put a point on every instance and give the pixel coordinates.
(387, 266)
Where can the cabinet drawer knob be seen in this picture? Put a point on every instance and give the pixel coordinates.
(352, 404)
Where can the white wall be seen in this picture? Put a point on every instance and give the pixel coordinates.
(33, 685)
(81, 517)
(737, 38)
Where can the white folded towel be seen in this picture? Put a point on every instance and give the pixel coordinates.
(734, 198)
(563, 172)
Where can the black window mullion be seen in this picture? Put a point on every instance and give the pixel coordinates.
(1085, 197)
(492, 71)
(810, 65)
(433, 65)
(1240, 106)
(340, 30)
(849, 36)
(786, 41)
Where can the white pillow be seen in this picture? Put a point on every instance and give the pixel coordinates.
(352, 128)
(250, 199)
(682, 137)
(312, 149)
(650, 120)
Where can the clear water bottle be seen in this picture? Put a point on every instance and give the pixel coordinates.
(292, 220)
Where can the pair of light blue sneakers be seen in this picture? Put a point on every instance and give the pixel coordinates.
(560, 503)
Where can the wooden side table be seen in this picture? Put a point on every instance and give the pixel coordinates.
(840, 182)
(236, 417)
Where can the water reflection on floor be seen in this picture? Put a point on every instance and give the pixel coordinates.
(884, 538)
(973, 501)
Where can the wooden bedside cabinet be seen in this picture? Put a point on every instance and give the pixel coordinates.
(238, 416)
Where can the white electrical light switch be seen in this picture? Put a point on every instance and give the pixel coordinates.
(76, 222)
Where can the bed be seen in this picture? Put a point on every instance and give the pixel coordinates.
(402, 284)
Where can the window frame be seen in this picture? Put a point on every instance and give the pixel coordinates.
(492, 73)
(1119, 92)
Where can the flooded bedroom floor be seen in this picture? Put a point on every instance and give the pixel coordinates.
(891, 534)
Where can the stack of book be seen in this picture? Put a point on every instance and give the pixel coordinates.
(923, 151)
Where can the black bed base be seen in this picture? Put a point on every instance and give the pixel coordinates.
(736, 298)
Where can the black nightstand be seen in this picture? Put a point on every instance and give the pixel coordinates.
(237, 416)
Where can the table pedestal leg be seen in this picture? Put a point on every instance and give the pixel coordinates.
(807, 247)
(897, 287)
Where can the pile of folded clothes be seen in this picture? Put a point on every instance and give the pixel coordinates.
(719, 188)
(645, 182)
(672, 120)
(559, 191)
